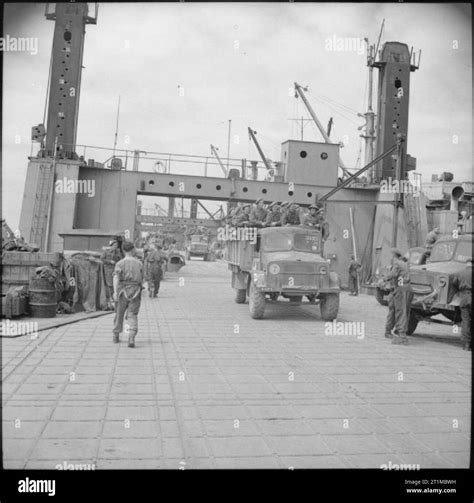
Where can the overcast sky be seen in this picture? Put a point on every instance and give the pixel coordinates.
(237, 61)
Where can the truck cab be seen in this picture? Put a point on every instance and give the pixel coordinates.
(283, 263)
(432, 282)
(198, 246)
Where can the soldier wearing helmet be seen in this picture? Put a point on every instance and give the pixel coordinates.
(243, 219)
(258, 214)
(274, 215)
(292, 215)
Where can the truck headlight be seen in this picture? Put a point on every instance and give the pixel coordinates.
(323, 270)
(259, 278)
(442, 282)
(274, 269)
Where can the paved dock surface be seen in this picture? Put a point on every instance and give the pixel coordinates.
(208, 387)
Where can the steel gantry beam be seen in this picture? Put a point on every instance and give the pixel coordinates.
(224, 189)
(142, 220)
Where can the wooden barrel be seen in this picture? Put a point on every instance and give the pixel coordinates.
(43, 298)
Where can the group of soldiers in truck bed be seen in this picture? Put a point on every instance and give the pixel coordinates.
(277, 214)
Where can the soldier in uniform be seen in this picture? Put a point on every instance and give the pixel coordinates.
(292, 216)
(323, 225)
(431, 238)
(462, 282)
(258, 214)
(243, 219)
(312, 219)
(273, 216)
(154, 270)
(236, 214)
(354, 268)
(128, 284)
(230, 216)
(399, 299)
(110, 256)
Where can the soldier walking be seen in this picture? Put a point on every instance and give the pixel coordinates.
(462, 282)
(399, 299)
(354, 269)
(128, 284)
(154, 270)
(109, 258)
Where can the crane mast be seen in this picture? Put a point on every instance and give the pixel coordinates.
(260, 151)
(221, 164)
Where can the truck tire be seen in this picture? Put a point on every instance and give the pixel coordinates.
(412, 323)
(256, 302)
(240, 296)
(329, 304)
(205, 257)
(379, 295)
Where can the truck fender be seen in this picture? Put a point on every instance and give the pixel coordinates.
(456, 300)
(239, 280)
(333, 280)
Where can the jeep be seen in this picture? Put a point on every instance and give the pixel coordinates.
(432, 283)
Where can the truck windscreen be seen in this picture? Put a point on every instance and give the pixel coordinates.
(463, 251)
(460, 251)
(286, 242)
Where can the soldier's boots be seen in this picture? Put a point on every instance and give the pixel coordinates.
(116, 338)
(131, 340)
(389, 335)
(400, 339)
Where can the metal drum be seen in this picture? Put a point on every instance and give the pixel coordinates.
(43, 298)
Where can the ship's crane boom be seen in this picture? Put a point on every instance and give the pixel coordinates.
(214, 151)
(300, 92)
(260, 151)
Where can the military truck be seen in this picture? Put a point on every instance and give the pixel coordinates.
(283, 263)
(432, 282)
(198, 246)
(416, 256)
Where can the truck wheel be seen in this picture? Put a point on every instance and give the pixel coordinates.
(256, 302)
(379, 295)
(329, 304)
(240, 296)
(412, 323)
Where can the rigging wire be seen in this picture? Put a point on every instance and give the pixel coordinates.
(339, 113)
(336, 103)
